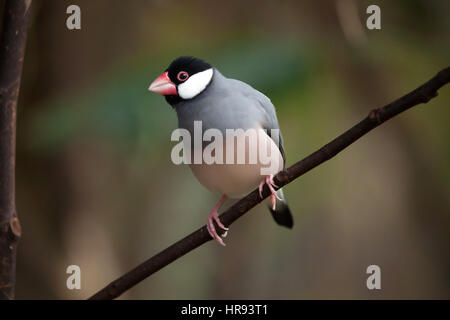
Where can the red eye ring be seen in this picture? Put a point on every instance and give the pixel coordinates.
(182, 76)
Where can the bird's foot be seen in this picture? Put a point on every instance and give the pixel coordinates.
(271, 184)
(214, 217)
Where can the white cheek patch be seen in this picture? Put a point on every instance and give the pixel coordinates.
(195, 84)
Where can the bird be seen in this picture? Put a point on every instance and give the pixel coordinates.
(199, 92)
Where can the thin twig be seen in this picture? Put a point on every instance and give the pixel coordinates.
(12, 51)
(376, 117)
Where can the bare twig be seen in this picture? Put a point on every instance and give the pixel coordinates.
(12, 51)
(376, 117)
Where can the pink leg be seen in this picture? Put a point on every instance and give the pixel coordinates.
(214, 216)
(270, 183)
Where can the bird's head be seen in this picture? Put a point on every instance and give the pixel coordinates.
(184, 79)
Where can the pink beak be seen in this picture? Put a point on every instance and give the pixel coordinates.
(163, 85)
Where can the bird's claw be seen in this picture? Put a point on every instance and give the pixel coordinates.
(271, 184)
(214, 216)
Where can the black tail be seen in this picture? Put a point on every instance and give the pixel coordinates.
(282, 214)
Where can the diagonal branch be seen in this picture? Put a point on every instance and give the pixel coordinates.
(12, 51)
(422, 94)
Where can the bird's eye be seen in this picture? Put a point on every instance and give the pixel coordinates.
(182, 76)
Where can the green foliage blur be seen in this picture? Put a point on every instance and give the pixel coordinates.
(96, 186)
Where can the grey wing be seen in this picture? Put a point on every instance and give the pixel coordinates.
(272, 123)
(270, 120)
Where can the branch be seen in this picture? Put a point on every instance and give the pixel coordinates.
(376, 117)
(12, 51)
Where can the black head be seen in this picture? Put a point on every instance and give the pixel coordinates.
(183, 67)
(185, 78)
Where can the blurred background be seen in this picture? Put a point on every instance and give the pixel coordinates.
(96, 186)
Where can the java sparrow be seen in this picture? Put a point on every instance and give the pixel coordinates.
(199, 92)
